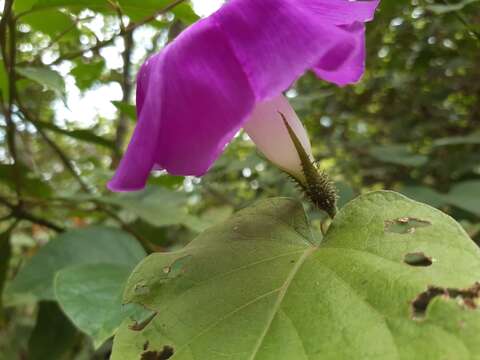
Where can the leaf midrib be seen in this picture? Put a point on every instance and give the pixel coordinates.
(250, 302)
(281, 296)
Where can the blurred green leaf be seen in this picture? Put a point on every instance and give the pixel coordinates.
(136, 10)
(20, 6)
(48, 78)
(399, 154)
(83, 135)
(473, 139)
(424, 194)
(127, 109)
(472, 229)
(58, 22)
(157, 236)
(185, 13)
(166, 180)
(440, 9)
(345, 193)
(466, 196)
(42, 4)
(155, 205)
(94, 292)
(209, 218)
(92, 245)
(32, 184)
(54, 336)
(359, 293)
(86, 74)
(140, 10)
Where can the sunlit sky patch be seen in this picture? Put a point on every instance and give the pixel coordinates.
(206, 7)
(83, 109)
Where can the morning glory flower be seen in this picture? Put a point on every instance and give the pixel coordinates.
(202, 88)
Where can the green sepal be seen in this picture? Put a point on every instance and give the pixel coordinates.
(317, 185)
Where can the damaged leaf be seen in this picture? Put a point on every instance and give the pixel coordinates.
(466, 297)
(259, 287)
(418, 259)
(139, 326)
(405, 225)
(166, 353)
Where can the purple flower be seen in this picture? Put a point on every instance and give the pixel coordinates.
(201, 89)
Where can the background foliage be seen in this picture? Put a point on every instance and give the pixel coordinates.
(411, 125)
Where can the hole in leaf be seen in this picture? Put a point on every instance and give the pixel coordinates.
(418, 259)
(405, 225)
(421, 302)
(166, 353)
(177, 267)
(465, 297)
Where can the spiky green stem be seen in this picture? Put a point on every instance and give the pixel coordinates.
(317, 185)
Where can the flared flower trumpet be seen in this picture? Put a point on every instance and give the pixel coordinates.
(202, 88)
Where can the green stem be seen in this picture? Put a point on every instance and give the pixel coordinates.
(318, 187)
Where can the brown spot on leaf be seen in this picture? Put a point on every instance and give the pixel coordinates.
(145, 346)
(166, 353)
(405, 225)
(466, 297)
(139, 326)
(418, 259)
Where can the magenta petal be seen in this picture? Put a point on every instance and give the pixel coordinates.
(342, 12)
(276, 41)
(197, 93)
(138, 161)
(349, 69)
(192, 99)
(143, 78)
(207, 98)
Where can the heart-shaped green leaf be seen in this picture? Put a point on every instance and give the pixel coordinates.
(392, 279)
(91, 296)
(75, 247)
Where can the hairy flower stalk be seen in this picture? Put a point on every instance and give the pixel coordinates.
(316, 184)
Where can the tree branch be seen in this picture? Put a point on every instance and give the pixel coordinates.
(122, 126)
(61, 155)
(19, 213)
(66, 161)
(59, 37)
(128, 29)
(8, 49)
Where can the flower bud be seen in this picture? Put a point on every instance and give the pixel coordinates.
(279, 135)
(267, 130)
